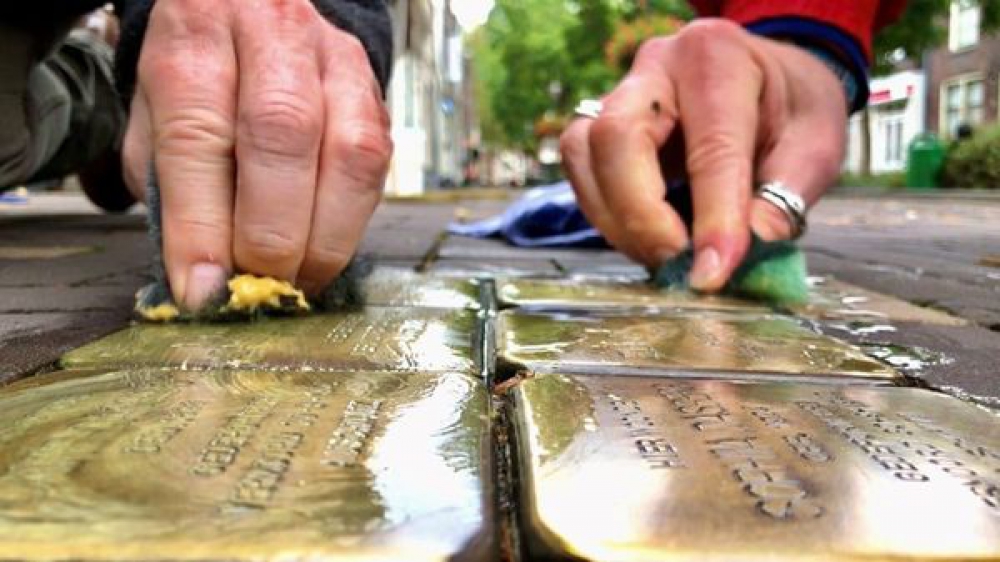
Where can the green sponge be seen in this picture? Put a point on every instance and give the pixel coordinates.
(773, 272)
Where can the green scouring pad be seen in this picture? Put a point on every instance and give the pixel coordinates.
(773, 272)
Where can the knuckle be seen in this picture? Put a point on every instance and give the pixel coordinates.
(294, 12)
(353, 47)
(705, 35)
(609, 131)
(367, 149)
(653, 49)
(573, 143)
(328, 256)
(280, 124)
(201, 129)
(266, 244)
(713, 151)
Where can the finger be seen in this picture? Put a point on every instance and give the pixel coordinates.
(279, 130)
(137, 147)
(808, 152)
(188, 69)
(719, 98)
(354, 160)
(624, 142)
(575, 148)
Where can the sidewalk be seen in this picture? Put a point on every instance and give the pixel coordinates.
(491, 402)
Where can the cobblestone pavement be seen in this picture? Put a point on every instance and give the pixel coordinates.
(500, 403)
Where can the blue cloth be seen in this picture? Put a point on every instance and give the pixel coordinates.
(816, 34)
(544, 216)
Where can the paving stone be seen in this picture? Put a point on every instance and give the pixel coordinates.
(633, 468)
(29, 300)
(573, 294)
(835, 300)
(979, 304)
(697, 343)
(29, 342)
(402, 288)
(949, 357)
(175, 465)
(376, 338)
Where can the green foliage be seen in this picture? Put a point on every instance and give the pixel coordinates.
(923, 26)
(526, 47)
(974, 163)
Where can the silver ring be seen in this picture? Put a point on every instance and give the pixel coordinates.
(589, 108)
(788, 202)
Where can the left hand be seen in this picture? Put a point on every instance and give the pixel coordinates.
(724, 109)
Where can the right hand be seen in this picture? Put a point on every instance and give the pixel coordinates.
(270, 138)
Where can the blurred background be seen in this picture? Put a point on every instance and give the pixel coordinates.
(483, 88)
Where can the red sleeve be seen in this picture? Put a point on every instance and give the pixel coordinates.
(859, 18)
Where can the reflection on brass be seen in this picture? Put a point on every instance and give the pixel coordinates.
(654, 469)
(402, 287)
(758, 345)
(548, 294)
(836, 301)
(157, 465)
(414, 339)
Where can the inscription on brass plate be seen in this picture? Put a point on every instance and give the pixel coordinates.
(233, 465)
(553, 294)
(402, 287)
(639, 468)
(699, 340)
(411, 339)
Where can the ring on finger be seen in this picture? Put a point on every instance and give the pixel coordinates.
(788, 202)
(589, 108)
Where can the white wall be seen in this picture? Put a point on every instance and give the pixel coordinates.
(898, 114)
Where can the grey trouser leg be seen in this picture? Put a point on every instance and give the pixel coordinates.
(58, 107)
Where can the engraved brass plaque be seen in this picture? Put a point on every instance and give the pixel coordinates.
(409, 339)
(401, 287)
(750, 345)
(552, 294)
(158, 465)
(654, 469)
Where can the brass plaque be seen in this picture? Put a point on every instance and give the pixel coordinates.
(551, 294)
(654, 469)
(406, 339)
(402, 287)
(228, 465)
(854, 307)
(712, 342)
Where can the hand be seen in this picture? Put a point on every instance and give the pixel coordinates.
(270, 139)
(725, 109)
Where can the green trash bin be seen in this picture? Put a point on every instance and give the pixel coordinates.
(925, 157)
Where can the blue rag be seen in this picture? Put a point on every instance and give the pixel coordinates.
(549, 216)
(543, 216)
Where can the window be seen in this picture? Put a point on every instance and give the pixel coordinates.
(963, 26)
(892, 140)
(962, 102)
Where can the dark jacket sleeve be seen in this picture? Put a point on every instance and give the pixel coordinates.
(368, 20)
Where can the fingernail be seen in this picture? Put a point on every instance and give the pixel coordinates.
(706, 268)
(205, 282)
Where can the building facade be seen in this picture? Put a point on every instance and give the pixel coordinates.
(429, 98)
(962, 76)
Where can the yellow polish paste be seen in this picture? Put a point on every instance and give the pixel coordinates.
(249, 292)
(162, 313)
